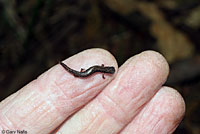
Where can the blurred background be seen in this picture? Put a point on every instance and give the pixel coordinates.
(36, 34)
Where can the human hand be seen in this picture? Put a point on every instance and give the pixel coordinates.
(132, 101)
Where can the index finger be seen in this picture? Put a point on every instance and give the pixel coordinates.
(46, 102)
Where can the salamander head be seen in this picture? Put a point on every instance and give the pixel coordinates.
(110, 70)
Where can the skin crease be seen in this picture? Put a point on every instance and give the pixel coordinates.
(131, 101)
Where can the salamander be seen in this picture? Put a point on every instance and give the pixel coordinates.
(91, 70)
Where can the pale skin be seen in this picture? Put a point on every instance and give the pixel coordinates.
(132, 101)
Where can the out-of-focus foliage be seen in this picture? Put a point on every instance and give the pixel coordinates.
(36, 34)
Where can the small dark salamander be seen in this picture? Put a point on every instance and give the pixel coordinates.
(89, 71)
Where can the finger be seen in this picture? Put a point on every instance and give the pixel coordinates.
(46, 102)
(135, 84)
(160, 116)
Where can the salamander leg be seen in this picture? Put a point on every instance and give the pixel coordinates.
(103, 76)
(82, 70)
